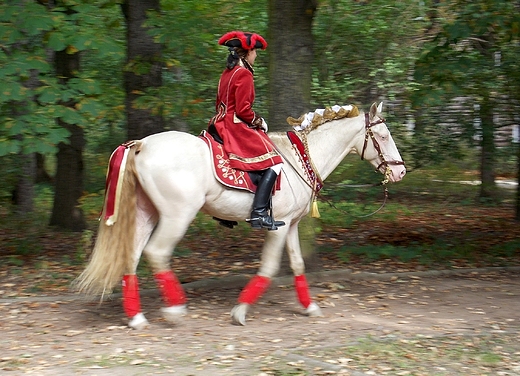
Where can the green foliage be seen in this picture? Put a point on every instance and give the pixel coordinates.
(33, 98)
(362, 45)
(462, 58)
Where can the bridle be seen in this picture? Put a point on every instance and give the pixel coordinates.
(384, 163)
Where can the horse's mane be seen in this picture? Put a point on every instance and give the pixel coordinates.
(311, 120)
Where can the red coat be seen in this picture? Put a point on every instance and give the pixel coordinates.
(249, 149)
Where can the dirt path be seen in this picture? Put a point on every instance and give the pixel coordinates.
(399, 325)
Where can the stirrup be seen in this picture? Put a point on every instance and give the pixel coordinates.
(266, 221)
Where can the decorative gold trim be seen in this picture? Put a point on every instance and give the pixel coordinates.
(260, 158)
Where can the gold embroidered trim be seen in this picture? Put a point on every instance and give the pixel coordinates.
(260, 158)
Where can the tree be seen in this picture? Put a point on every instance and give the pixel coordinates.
(290, 59)
(41, 43)
(291, 56)
(70, 170)
(22, 62)
(143, 69)
(464, 61)
(23, 193)
(73, 37)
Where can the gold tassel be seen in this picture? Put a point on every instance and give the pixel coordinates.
(315, 213)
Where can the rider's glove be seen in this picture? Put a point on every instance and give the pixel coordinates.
(264, 125)
(259, 123)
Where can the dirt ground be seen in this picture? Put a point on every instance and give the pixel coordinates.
(465, 323)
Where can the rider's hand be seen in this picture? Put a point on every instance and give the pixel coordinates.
(264, 125)
(259, 123)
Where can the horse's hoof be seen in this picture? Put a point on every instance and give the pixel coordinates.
(174, 314)
(138, 322)
(238, 314)
(313, 310)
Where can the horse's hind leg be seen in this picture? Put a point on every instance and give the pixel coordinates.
(167, 234)
(145, 222)
(298, 268)
(132, 302)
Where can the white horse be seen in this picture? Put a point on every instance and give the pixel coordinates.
(169, 178)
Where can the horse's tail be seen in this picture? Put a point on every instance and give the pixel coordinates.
(113, 252)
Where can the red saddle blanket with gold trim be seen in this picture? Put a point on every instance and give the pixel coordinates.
(225, 174)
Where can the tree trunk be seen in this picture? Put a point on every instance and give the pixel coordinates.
(143, 68)
(69, 173)
(23, 193)
(290, 59)
(518, 183)
(487, 161)
(291, 54)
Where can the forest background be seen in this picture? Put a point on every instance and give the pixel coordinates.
(79, 77)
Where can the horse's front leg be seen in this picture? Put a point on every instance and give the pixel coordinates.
(270, 263)
(298, 268)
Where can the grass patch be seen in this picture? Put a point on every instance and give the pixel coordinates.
(421, 356)
(439, 254)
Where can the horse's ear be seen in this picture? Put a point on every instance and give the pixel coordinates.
(380, 108)
(373, 110)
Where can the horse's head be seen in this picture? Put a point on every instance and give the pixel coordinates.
(379, 147)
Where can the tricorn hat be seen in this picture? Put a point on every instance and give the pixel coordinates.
(244, 40)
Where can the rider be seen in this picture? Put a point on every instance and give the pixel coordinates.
(243, 131)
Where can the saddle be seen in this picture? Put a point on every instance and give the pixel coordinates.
(224, 173)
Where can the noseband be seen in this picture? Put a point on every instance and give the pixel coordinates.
(384, 163)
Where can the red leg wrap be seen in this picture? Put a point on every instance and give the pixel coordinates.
(171, 289)
(254, 289)
(302, 289)
(131, 300)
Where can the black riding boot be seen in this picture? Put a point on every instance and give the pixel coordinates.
(261, 216)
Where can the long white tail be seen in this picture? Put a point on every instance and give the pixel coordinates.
(112, 256)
